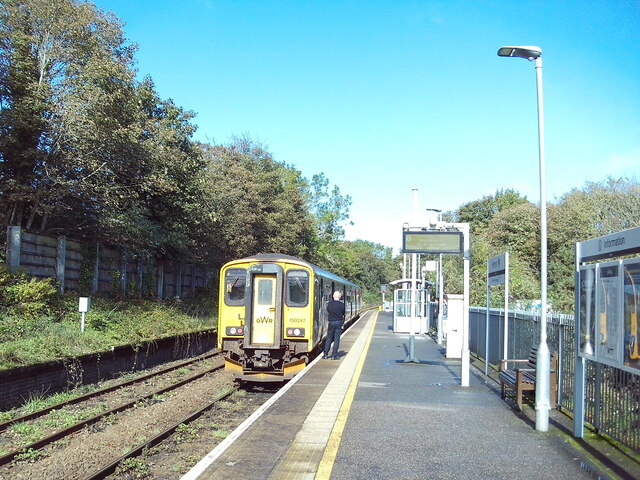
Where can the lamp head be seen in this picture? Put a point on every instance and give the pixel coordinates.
(529, 52)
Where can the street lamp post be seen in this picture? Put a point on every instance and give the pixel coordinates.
(543, 406)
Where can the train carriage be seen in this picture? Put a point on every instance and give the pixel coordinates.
(272, 314)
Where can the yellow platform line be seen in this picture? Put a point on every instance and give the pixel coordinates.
(331, 450)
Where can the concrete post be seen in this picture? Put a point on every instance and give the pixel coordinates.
(14, 245)
(160, 287)
(96, 271)
(61, 256)
(123, 273)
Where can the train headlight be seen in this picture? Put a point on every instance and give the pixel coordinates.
(235, 331)
(295, 332)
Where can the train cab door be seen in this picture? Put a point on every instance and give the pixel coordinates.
(263, 317)
(263, 307)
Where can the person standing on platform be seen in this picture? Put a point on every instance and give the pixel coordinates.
(335, 308)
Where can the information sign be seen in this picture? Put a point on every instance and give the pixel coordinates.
(608, 305)
(432, 242)
(615, 244)
(609, 300)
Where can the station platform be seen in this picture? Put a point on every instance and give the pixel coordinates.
(372, 415)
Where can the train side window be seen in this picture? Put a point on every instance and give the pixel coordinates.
(234, 286)
(297, 288)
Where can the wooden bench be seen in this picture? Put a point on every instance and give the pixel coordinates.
(524, 379)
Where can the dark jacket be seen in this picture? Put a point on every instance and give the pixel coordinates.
(336, 311)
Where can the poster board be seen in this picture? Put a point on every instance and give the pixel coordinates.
(608, 306)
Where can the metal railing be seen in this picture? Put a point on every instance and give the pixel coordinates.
(612, 403)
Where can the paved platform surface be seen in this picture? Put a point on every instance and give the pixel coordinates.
(371, 415)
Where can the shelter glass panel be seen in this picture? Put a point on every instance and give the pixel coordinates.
(403, 303)
(631, 292)
(587, 318)
(609, 313)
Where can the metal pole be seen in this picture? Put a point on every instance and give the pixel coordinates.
(542, 360)
(486, 328)
(506, 305)
(414, 307)
(440, 301)
(580, 362)
(464, 376)
(404, 265)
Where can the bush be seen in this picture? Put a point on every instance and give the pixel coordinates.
(23, 296)
(38, 325)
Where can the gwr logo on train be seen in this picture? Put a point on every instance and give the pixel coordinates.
(264, 320)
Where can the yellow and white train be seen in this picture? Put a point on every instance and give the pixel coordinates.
(272, 314)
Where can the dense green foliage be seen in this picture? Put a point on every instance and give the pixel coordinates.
(597, 209)
(88, 151)
(256, 204)
(37, 325)
(368, 264)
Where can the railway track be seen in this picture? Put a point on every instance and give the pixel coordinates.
(155, 440)
(165, 431)
(60, 434)
(43, 411)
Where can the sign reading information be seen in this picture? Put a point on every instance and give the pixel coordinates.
(432, 242)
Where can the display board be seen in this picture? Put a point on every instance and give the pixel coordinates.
(608, 301)
(608, 311)
(432, 242)
(631, 305)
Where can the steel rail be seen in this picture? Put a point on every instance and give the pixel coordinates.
(102, 391)
(74, 428)
(136, 451)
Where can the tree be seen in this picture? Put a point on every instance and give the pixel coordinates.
(258, 205)
(330, 210)
(597, 209)
(57, 57)
(479, 213)
(517, 230)
(87, 150)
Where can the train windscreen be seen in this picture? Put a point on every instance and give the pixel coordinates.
(234, 286)
(297, 288)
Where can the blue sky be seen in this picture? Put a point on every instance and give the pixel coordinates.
(388, 96)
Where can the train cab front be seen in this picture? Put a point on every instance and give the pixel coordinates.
(259, 353)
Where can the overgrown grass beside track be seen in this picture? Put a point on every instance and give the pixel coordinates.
(38, 325)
